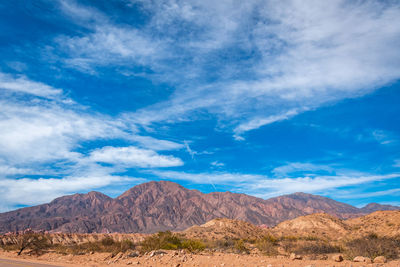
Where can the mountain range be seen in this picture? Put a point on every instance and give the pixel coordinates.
(163, 205)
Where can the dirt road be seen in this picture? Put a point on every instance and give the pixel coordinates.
(14, 263)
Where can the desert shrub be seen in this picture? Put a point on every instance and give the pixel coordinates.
(240, 246)
(372, 246)
(161, 240)
(105, 245)
(107, 241)
(310, 238)
(316, 248)
(193, 245)
(126, 245)
(267, 245)
(224, 244)
(289, 238)
(37, 243)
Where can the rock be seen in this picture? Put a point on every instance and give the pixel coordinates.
(157, 252)
(132, 254)
(337, 258)
(309, 266)
(178, 265)
(295, 257)
(362, 259)
(380, 259)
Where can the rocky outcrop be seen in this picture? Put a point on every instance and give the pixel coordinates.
(159, 206)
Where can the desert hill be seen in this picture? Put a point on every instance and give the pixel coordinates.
(163, 205)
(382, 223)
(222, 228)
(320, 225)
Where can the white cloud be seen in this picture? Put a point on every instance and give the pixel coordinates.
(204, 178)
(133, 157)
(11, 170)
(382, 137)
(256, 123)
(42, 136)
(396, 163)
(156, 144)
(317, 184)
(188, 149)
(22, 84)
(309, 53)
(42, 131)
(265, 187)
(356, 194)
(217, 164)
(287, 169)
(27, 191)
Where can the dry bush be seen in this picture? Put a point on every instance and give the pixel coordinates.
(224, 244)
(240, 246)
(309, 246)
(372, 246)
(107, 244)
(316, 248)
(37, 243)
(268, 245)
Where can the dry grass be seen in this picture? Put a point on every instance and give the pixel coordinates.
(107, 244)
(268, 245)
(372, 246)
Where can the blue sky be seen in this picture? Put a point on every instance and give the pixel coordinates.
(258, 97)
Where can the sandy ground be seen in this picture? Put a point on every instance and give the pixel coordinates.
(182, 260)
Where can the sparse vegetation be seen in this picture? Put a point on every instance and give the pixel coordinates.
(34, 243)
(316, 248)
(241, 247)
(268, 245)
(161, 240)
(169, 241)
(193, 245)
(107, 244)
(372, 246)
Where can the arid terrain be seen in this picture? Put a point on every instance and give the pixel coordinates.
(312, 240)
(163, 205)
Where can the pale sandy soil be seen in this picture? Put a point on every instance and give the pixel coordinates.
(183, 259)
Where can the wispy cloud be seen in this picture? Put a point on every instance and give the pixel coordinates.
(308, 54)
(217, 164)
(133, 157)
(396, 163)
(264, 186)
(290, 168)
(28, 191)
(188, 149)
(21, 84)
(42, 136)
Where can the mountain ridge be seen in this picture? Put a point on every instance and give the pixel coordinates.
(163, 205)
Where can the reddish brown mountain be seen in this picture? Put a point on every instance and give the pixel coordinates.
(157, 206)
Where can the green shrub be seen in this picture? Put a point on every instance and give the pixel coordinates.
(193, 245)
(161, 240)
